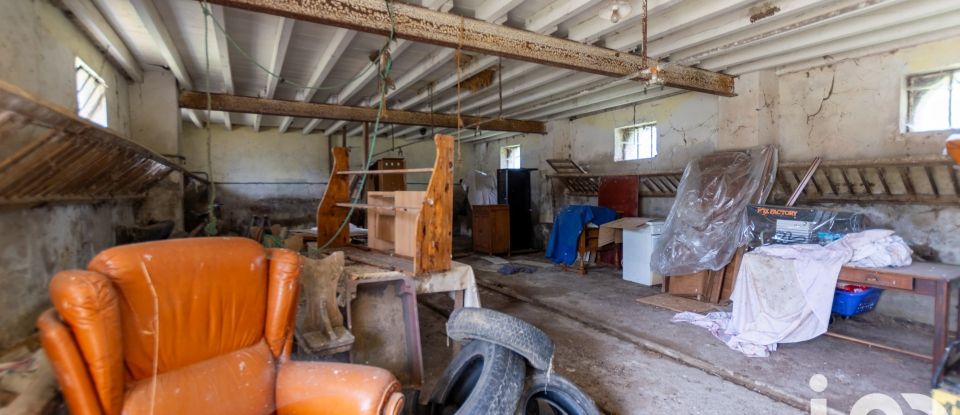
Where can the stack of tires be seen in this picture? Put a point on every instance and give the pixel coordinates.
(504, 369)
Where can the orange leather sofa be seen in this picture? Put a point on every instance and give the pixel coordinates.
(212, 318)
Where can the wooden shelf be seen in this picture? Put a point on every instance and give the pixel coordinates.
(378, 207)
(63, 158)
(394, 171)
(414, 227)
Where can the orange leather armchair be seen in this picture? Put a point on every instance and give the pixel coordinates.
(195, 326)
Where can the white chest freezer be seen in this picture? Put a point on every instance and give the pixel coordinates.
(637, 249)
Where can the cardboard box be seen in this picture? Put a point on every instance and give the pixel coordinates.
(612, 232)
(791, 225)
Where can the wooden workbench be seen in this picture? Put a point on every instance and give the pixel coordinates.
(924, 278)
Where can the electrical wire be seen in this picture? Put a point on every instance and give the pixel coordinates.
(384, 84)
(211, 227)
(385, 60)
(282, 80)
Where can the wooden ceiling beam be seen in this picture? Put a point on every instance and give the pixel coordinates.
(264, 106)
(450, 30)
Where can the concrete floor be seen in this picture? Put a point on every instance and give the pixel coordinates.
(631, 359)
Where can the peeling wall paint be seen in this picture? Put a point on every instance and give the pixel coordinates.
(844, 110)
(38, 46)
(686, 126)
(36, 244)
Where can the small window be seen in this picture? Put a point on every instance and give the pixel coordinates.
(510, 157)
(932, 101)
(91, 94)
(635, 142)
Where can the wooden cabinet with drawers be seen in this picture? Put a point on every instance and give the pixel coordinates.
(491, 229)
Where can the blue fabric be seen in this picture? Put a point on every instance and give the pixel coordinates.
(567, 227)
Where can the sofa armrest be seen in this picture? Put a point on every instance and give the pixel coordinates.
(320, 388)
(283, 288)
(68, 365)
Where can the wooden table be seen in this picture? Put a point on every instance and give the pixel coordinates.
(924, 278)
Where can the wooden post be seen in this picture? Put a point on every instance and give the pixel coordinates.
(366, 155)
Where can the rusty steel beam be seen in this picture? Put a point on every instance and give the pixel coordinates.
(450, 30)
(264, 106)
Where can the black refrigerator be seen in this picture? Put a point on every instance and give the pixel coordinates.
(513, 188)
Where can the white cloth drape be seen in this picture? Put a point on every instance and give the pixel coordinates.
(784, 293)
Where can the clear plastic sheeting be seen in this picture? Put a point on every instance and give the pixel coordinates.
(481, 188)
(708, 221)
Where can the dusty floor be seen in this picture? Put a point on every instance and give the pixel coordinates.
(631, 359)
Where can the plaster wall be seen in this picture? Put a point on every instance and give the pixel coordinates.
(841, 110)
(38, 46)
(686, 127)
(852, 110)
(284, 175)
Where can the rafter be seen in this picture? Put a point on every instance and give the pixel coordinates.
(331, 55)
(282, 42)
(535, 80)
(556, 13)
(395, 49)
(765, 29)
(590, 29)
(251, 105)
(155, 27)
(944, 23)
(86, 14)
(795, 14)
(593, 29)
(438, 57)
(853, 26)
(444, 29)
(223, 51)
(685, 15)
(721, 27)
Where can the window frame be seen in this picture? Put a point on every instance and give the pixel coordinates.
(505, 160)
(654, 141)
(906, 111)
(100, 110)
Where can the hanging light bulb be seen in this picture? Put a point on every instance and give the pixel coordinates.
(615, 10)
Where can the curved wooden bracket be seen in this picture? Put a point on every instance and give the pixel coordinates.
(435, 222)
(329, 215)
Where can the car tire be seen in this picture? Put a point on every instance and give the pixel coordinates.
(504, 330)
(483, 378)
(553, 395)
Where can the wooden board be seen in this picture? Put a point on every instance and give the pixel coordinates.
(435, 222)
(620, 193)
(330, 217)
(730, 274)
(405, 227)
(380, 223)
(678, 304)
(378, 259)
(690, 285)
(713, 286)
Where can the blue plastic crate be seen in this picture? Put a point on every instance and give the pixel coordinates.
(849, 304)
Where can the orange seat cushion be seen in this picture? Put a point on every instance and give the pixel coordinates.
(241, 382)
